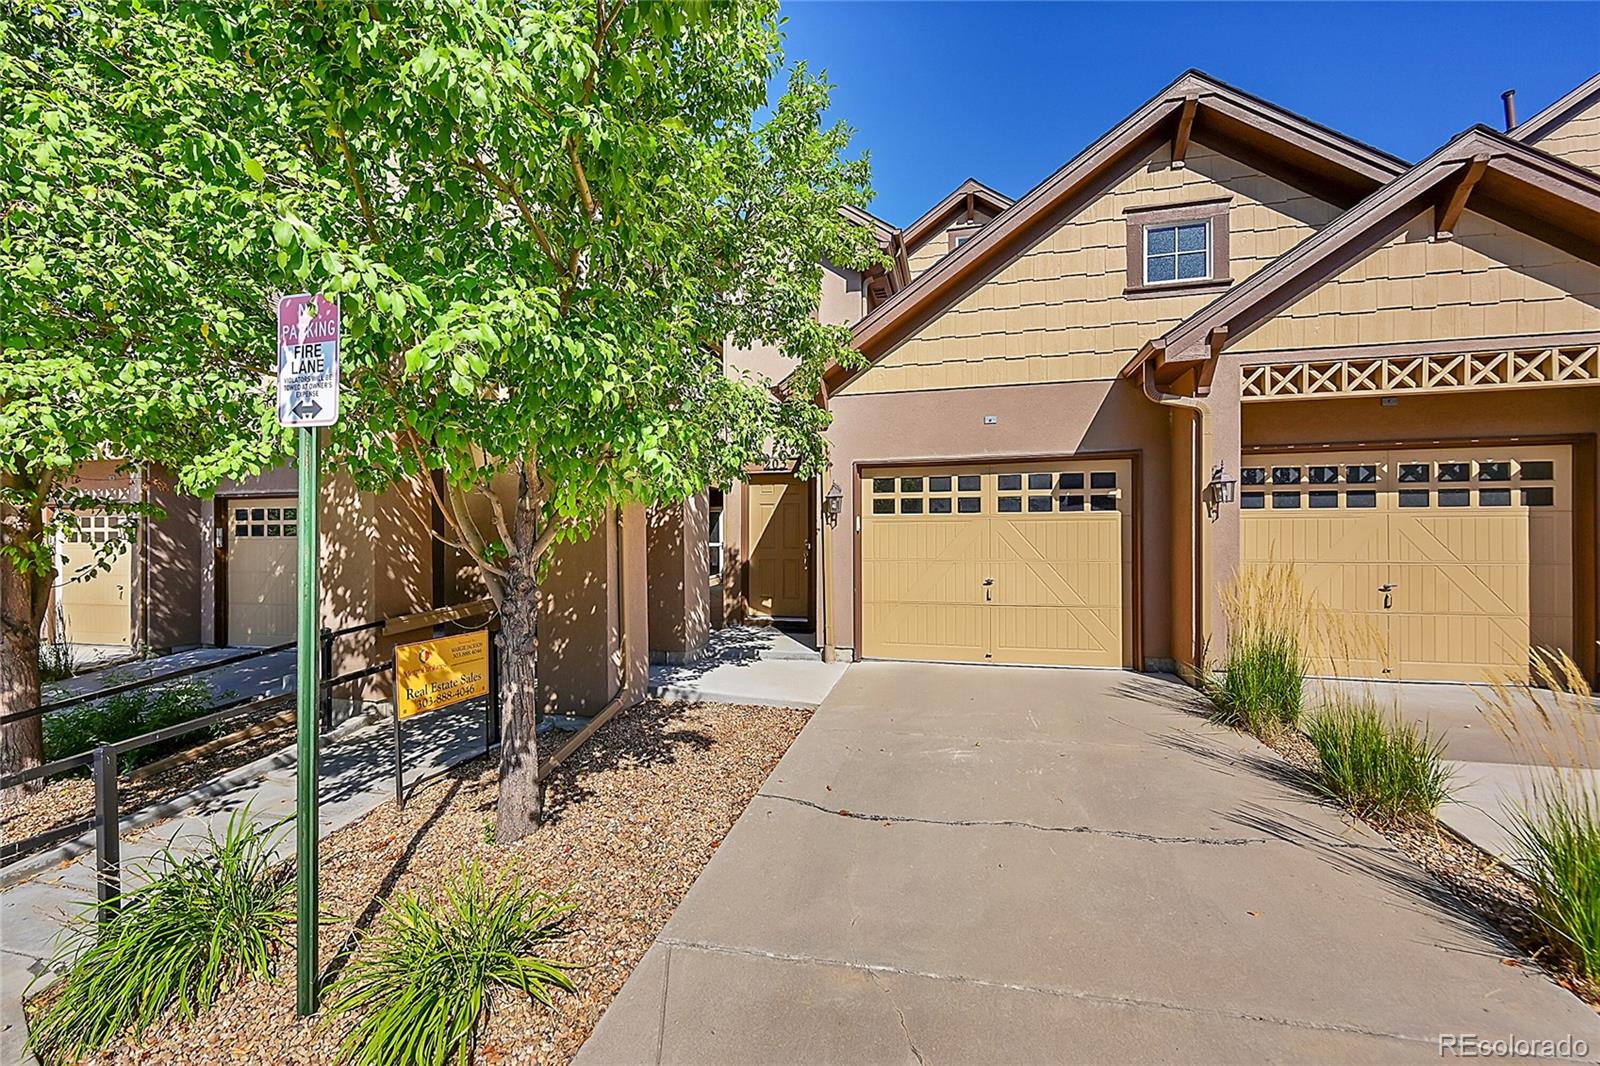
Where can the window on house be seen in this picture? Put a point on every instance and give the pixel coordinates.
(1179, 252)
(714, 535)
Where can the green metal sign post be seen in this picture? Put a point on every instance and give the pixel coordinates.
(307, 827)
(308, 397)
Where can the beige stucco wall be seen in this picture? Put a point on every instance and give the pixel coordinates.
(936, 245)
(1490, 281)
(1578, 139)
(679, 579)
(1058, 312)
(1031, 421)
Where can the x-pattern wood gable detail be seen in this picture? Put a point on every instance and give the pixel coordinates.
(1500, 369)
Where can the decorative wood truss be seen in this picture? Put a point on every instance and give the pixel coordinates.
(1504, 369)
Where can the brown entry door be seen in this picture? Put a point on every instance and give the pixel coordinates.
(780, 548)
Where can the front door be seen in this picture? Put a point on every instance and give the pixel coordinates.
(780, 548)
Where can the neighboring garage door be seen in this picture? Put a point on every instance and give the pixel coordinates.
(1021, 563)
(95, 604)
(261, 571)
(1434, 564)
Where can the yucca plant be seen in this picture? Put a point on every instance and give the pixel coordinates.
(1377, 764)
(423, 984)
(1555, 832)
(1259, 685)
(199, 925)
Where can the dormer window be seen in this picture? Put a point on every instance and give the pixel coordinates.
(1182, 247)
(1177, 253)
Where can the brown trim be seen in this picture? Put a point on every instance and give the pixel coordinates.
(1220, 273)
(962, 229)
(1314, 147)
(956, 200)
(1134, 457)
(1180, 139)
(1448, 212)
(1404, 348)
(1522, 171)
(1585, 514)
(1558, 114)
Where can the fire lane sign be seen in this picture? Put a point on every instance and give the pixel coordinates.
(308, 361)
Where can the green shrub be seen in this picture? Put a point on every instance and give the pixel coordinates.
(1258, 686)
(1376, 764)
(1557, 841)
(57, 661)
(1549, 718)
(128, 714)
(197, 927)
(424, 982)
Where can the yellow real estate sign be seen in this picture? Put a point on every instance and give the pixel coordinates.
(431, 674)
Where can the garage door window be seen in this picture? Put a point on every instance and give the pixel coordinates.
(264, 522)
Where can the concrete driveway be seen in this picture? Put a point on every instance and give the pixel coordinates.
(976, 864)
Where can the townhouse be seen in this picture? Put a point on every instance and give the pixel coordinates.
(1220, 335)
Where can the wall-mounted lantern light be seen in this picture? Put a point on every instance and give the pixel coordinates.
(1219, 490)
(833, 502)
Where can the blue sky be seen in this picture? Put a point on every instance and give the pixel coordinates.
(1007, 92)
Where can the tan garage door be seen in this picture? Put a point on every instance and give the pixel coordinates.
(1435, 564)
(1021, 563)
(96, 604)
(261, 571)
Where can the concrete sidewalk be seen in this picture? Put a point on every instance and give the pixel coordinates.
(981, 864)
(356, 777)
(761, 666)
(252, 677)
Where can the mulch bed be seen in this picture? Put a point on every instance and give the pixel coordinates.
(1490, 891)
(70, 798)
(633, 817)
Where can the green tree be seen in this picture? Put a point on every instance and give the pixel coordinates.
(133, 229)
(543, 220)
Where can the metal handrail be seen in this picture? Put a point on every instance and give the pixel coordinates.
(129, 686)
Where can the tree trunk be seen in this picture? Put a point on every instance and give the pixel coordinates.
(521, 804)
(21, 743)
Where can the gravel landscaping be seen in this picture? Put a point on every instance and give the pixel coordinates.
(70, 798)
(634, 816)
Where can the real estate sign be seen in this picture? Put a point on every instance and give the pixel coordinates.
(431, 674)
(308, 361)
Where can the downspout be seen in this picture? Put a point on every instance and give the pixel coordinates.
(1201, 410)
(622, 606)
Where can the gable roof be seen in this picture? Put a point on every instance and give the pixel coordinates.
(1530, 190)
(1558, 113)
(1342, 168)
(956, 200)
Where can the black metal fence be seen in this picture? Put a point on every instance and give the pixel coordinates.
(103, 760)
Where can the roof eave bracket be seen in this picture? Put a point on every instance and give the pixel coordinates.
(1180, 139)
(1449, 210)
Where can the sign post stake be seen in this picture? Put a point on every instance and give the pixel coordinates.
(306, 731)
(308, 397)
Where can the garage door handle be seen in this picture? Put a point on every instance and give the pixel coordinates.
(988, 593)
(1388, 594)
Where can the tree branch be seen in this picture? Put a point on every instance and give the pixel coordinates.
(360, 187)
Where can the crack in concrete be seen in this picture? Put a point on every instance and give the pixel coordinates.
(1104, 998)
(904, 1028)
(1012, 823)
